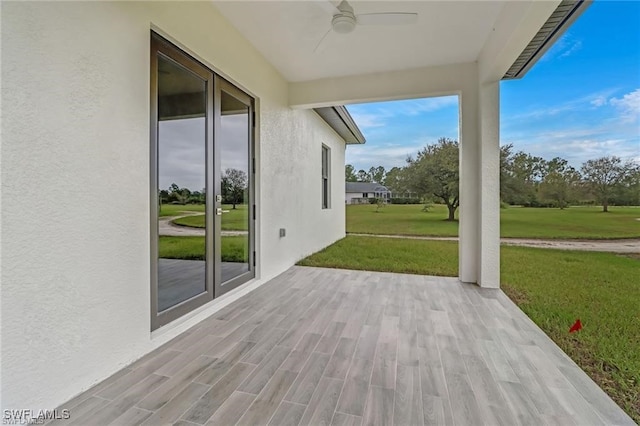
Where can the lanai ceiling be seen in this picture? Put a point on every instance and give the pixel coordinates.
(286, 33)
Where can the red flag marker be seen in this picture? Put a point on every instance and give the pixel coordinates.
(576, 326)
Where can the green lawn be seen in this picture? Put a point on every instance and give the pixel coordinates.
(552, 287)
(177, 209)
(192, 248)
(516, 222)
(389, 254)
(233, 220)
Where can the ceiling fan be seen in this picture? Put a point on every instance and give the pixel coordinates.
(345, 19)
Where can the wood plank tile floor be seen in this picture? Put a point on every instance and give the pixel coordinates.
(323, 346)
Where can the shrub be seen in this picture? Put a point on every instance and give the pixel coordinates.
(405, 201)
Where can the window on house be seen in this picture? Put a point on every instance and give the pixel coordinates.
(365, 195)
(326, 161)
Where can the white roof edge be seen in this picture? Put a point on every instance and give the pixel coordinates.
(339, 119)
(560, 20)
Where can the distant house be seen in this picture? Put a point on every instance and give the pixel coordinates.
(361, 192)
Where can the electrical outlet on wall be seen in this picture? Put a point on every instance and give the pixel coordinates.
(283, 232)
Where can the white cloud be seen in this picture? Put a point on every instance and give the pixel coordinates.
(577, 145)
(574, 47)
(369, 116)
(181, 150)
(591, 100)
(628, 106)
(363, 157)
(564, 47)
(420, 106)
(369, 120)
(387, 155)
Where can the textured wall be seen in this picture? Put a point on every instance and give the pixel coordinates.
(75, 184)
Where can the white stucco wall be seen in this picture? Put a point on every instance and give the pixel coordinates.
(75, 184)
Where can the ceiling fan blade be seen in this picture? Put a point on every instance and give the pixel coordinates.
(391, 18)
(327, 6)
(322, 39)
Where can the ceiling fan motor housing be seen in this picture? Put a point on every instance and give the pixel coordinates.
(345, 21)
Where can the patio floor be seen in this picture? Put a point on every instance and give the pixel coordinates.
(324, 346)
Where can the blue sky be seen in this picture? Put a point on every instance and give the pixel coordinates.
(580, 101)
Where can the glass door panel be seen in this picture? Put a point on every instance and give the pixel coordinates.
(233, 140)
(182, 176)
(202, 215)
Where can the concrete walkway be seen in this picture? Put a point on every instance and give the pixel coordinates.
(167, 228)
(612, 246)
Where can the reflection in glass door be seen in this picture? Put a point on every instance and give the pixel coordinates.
(233, 143)
(182, 172)
(202, 209)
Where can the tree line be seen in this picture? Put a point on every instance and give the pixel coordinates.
(234, 189)
(525, 179)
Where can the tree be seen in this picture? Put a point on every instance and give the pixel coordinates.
(363, 176)
(197, 197)
(377, 174)
(178, 195)
(234, 183)
(397, 181)
(559, 182)
(163, 196)
(603, 175)
(629, 193)
(520, 175)
(350, 173)
(435, 172)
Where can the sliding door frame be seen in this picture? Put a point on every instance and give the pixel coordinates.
(161, 47)
(214, 87)
(223, 85)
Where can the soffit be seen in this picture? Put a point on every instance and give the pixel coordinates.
(339, 119)
(286, 33)
(561, 19)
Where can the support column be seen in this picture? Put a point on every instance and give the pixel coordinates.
(489, 262)
(468, 227)
(479, 226)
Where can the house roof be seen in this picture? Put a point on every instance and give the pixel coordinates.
(365, 187)
(341, 121)
(561, 18)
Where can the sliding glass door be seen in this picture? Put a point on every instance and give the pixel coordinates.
(202, 184)
(233, 154)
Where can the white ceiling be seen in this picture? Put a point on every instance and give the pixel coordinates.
(286, 33)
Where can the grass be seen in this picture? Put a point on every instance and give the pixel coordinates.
(177, 209)
(515, 222)
(552, 287)
(234, 248)
(602, 289)
(234, 220)
(389, 254)
(574, 222)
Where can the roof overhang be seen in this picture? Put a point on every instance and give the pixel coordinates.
(339, 119)
(455, 47)
(565, 14)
